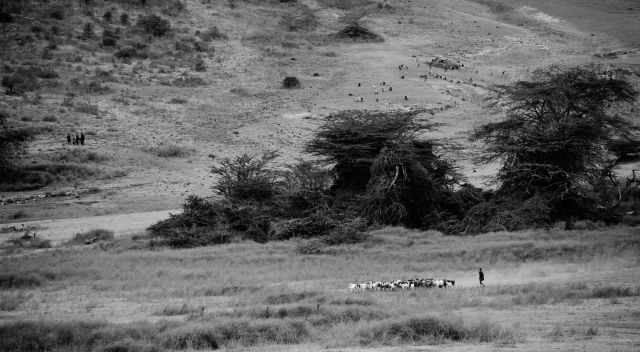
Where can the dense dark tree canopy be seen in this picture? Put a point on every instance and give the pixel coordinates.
(379, 157)
(353, 139)
(555, 137)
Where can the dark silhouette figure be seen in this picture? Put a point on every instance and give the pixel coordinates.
(77, 140)
(481, 277)
(68, 138)
(406, 98)
(359, 84)
(81, 138)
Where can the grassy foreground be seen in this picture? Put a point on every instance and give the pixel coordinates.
(552, 289)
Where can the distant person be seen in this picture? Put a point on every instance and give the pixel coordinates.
(359, 84)
(68, 138)
(81, 138)
(77, 140)
(406, 98)
(481, 277)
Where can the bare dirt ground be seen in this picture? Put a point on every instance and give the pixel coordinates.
(243, 108)
(59, 230)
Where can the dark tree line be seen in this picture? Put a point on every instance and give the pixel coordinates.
(556, 142)
(562, 135)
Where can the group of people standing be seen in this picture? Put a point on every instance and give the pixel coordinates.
(77, 140)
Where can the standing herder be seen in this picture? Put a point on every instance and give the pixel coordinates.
(481, 277)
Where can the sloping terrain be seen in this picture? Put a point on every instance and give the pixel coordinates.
(152, 123)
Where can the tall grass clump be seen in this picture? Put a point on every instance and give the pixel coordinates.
(171, 151)
(431, 330)
(92, 236)
(154, 25)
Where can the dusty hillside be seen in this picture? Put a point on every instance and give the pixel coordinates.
(152, 121)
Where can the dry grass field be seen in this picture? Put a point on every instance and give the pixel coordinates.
(545, 290)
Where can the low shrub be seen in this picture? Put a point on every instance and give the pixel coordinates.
(154, 25)
(92, 236)
(36, 176)
(76, 336)
(190, 338)
(291, 82)
(87, 108)
(57, 12)
(180, 309)
(431, 330)
(40, 72)
(11, 301)
(197, 225)
(80, 156)
(20, 280)
(301, 20)
(316, 225)
(310, 246)
(28, 242)
(247, 178)
(20, 82)
(109, 38)
(132, 52)
(5, 17)
(174, 8)
(178, 101)
(289, 297)
(87, 31)
(353, 301)
(497, 215)
(213, 33)
(347, 232)
(357, 33)
(188, 82)
(199, 65)
(129, 345)
(340, 315)
(170, 151)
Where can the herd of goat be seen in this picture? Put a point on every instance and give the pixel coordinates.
(400, 284)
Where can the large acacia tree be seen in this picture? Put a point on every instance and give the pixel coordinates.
(554, 142)
(382, 163)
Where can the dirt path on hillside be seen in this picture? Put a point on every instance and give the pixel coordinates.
(59, 230)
